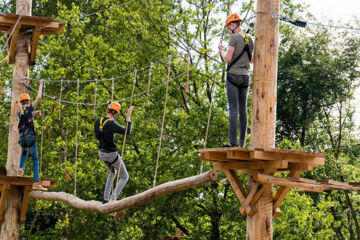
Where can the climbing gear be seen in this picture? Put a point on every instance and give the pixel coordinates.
(38, 186)
(246, 49)
(26, 119)
(115, 106)
(102, 124)
(111, 164)
(234, 17)
(24, 96)
(26, 141)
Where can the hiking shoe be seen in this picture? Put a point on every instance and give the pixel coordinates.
(104, 201)
(38, 186)
(20, 172)
(229, 145)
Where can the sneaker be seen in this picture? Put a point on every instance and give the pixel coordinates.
(104, 201)
(229, 145)
(38, 186)
(111, 200)
(20, 172)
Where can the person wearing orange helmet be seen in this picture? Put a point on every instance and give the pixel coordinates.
(105, 128)
(27, 135)
(238, 57)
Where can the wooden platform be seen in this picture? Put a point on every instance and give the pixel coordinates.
(261, 165)
(33, 25)
(25, 184)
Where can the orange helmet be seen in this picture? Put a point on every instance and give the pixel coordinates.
(234, 17)
(24, 96)
(115, 106)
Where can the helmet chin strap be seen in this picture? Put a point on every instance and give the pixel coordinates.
(233, 30)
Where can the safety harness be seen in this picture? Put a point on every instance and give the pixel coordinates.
(102, 124)
(101, 127)
(246, 49)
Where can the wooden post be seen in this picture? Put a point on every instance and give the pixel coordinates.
(259, 225)
(10, 227)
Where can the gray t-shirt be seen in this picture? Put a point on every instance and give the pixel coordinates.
(242, 66)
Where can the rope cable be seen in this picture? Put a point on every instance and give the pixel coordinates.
(127, 125)
(42, 128)
(208, 122)
(76, 137)
(162, 125)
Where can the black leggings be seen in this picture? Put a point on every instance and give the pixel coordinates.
(237, 88)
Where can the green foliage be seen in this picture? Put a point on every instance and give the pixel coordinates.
(316, 77)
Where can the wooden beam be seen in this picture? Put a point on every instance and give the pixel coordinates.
(19, 181)
(283, 190)
(256, 165)
(289, 182)
(253, 191)
(239, 154)
(4, 192)
(215, 157)
(35, 40)
(132, 201)
(13, 44)
(300, 158)
(236, 185)
(25, 203)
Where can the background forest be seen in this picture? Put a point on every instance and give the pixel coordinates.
(317, 75)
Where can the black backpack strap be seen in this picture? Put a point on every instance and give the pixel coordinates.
(246, 49)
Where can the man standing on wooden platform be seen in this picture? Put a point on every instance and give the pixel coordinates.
(27, 135)
(238, 57)
(105, 127)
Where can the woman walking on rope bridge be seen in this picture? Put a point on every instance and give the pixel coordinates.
(105, 127)
(27, 135)
(238, 57)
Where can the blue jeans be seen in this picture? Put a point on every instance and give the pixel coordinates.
(34, 156)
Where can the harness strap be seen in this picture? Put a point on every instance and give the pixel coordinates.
(246, 49)
(102, 124)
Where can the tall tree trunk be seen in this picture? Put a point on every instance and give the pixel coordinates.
(10, 227)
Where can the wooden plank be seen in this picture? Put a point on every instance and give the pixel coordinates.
(300, 166)
(49, 24)
(19, 181)
(239, 154)
(13, 44)
(35, 40)
(261, 155)
(4, 192)
(214, 156)
(48, 183)
(258, 165)
(236, 185)
(283, 190)
(223, 149)
(24, 204)
(314, 154)
(268, 179)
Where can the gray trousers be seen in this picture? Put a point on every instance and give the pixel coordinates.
(237, 88)
(113, 167)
